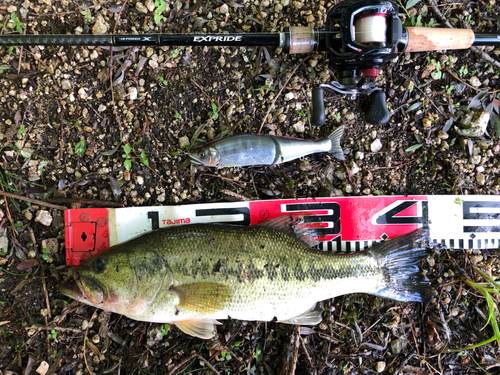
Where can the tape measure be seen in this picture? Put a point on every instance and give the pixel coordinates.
(344, 224)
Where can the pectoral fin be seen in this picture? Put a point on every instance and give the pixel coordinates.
(203, 298)
(202, 328)
(310, 317)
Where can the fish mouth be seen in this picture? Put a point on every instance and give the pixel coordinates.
(82, 289)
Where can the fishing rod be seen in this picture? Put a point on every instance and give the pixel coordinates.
(359, 38)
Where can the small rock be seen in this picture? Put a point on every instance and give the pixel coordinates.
(99, 27)
(398, 345)
(96, 339)
(474, 81)
(139, 180)
(289, 96)
(28, 215)
(224, 9)
(150, 4)
(44, 217)
(101, 108)
(141, 7)
(380, 366)
(359, 155)
(82, 93)
(299, 127)
(354, 169)
(481, 179)
(43, 368)
(376, 145)
(183, 142)
(66, 85)
(132, 93)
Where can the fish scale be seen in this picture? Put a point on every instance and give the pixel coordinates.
(197, 273)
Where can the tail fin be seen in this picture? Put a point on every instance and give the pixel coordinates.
(399, 260)
(336, 149)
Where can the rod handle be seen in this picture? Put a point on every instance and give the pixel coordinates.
(318, 117)
(421, 39)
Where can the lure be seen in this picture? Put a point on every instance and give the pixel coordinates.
(250, 149)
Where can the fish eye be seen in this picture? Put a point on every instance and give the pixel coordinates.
(202, 154)
(99, 265)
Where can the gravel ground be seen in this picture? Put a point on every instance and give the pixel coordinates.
(65, 135)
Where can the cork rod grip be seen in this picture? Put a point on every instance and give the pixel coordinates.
(422, 39)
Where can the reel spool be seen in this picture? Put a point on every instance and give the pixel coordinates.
(371, 29)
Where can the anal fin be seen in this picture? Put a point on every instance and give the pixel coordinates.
(310, 317)
(202, 328)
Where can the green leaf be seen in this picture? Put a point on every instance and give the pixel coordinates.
(414, 147)
(127, 164)
(411, 3)
(414, 106)
(80, 147)
(127, 149)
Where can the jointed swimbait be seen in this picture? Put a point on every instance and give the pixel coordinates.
(249, 149)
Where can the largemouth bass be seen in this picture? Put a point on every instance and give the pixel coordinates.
(258, 149)
(192, 275)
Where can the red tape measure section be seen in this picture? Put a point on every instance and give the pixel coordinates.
(86, 233)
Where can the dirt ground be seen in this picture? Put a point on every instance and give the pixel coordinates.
(69, 139)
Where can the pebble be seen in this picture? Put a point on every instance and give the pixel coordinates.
(474, 81)
(376, 145)
(224, 9)
(141, 7)
(82, 93)
(380, 366)
(99, 27)
(101, 108)
(359, 155)
(299, 127)
(96, 339)
(183, 142)
(481, 179)
(44, 217)
(289, 96)
(66, 85)
(132, 93)
(139, 180)
(28, 215)
(43, 368)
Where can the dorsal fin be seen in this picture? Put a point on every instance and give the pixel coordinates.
(293, 223)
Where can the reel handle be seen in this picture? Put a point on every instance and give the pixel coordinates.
(377, 113)
(423, 39)
(318, 116)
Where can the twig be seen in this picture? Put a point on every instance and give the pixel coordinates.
(61, 329)
(14, 233)
(279, 93)
(96, 202)
(313, 370)
(174, 370)
(233, 194)
(33, 239)
(208, 364)
(85, 340)
(293, 364)
(31, 200)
